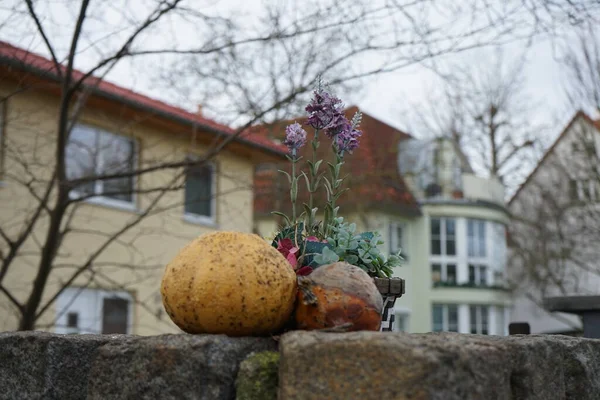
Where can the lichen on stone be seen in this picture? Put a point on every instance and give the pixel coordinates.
(258, 377)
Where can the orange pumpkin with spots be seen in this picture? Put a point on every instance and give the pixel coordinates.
(229, 283)
(338, 295)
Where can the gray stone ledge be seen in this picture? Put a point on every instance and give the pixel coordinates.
(37, 365)
(370, 365)
(360, 365)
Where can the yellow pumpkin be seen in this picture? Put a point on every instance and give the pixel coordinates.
(229, 283)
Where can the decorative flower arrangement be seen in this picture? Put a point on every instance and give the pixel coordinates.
(305, 241)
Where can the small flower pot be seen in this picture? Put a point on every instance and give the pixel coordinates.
(390, 289)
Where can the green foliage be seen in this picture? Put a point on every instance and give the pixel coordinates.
(359, 249)
(258, 377)
(293, 232)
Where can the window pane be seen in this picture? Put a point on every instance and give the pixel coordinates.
(483, 275)
(473, 319)
(471, 274)
(484, 319)
(471, 228)
(401, 322)
(573, 190)
(500, 320)
(438, 318)
(450, 247)
(452, 318)
(436, 273)
(117, 156)
(72, 320)
(114, 315)
(435, 227)
(436, 246)
(198, 191)
(395, 237)
(81, 157)
(451, 273)
(471, 246)
(450, 227)
(585, 187)
(482, 241)
(399, 242)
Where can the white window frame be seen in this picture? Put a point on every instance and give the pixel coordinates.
(499, 253)
(88, 303)
(394, 243)
(475, 240)
(444, 271)
(203, 219)
(480, 271)
(587, 190)
(98, 198)
(501, 321)
(443, 238)
(446, 317)
(478, 323)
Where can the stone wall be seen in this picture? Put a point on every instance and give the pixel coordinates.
(308, 365)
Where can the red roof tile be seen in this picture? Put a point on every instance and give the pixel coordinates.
(39, 65)
(373, 175)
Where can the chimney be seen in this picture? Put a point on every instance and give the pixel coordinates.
(199, 110)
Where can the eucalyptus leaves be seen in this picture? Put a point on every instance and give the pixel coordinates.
(360, 249)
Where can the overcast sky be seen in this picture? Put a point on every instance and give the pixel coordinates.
(390, 97)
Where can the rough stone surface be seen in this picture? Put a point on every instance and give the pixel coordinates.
(258, 377)
(371, 365)
(45, 366)
(360, 365)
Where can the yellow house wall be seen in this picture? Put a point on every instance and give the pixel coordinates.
(135, 262)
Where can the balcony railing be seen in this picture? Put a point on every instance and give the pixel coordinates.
(486, 189)
(469, 285)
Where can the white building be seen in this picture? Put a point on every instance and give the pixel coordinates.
(554, 230)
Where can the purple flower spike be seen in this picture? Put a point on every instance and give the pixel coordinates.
(324, 110)
(338, 125)
(347, 140)
(295, 137)
(346, 137)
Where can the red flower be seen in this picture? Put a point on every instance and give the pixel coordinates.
(304, 271)
(287, 248)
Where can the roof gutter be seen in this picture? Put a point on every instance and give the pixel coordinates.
(10, 61)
